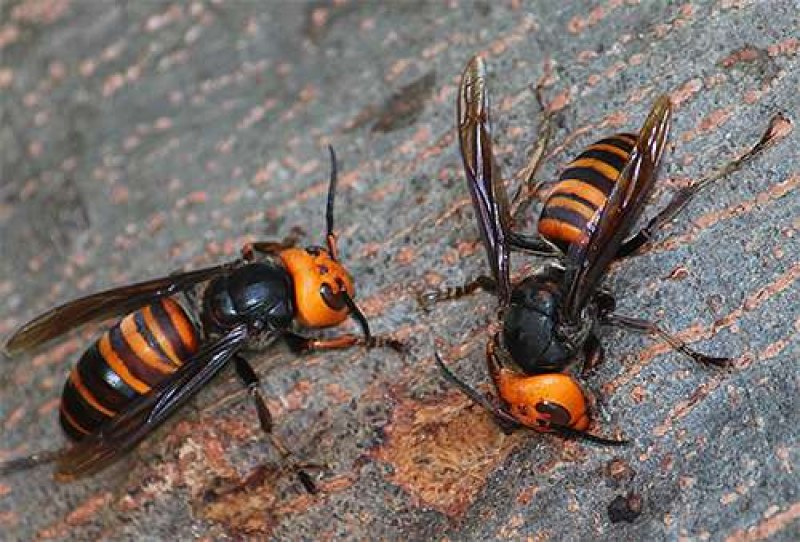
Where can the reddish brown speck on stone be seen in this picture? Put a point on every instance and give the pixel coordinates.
(680, 272)
(620, 470)
(86, 511)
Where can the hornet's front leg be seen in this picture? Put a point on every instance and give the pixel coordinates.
(300, 344)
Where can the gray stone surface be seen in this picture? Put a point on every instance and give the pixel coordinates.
(138, 138)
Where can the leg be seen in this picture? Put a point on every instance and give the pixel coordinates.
(644, 326)
(483, 282)
(529, 187)
(593, 354)
(684, 196)
(533, 244)
(190, 294)
(250, 379)
(29, 462)
(605, 302)
(298, 343)
(249, 250)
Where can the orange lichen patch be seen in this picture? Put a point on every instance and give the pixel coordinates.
(612, 120)
(335, 484)
(256, 502)
(9, 33)
(517, 34)
(40, 11)
(58, 354)
(778, 346)
(307, 94)
(743, 55)
(686, 91)
(202, 458)
(443, 451)
(294, 399)
(467, 248)
(398, 68)
(9, 519)
(578, 24)
(13, 419)
(249, 505)
(48, 406)
(6, 77)
(337, 394)
(81, 515)
(787, 47)
(405, 256)
(772, 524)
(86, 511)
(559, 102)
(421, 137)
(526, 495)
(167, 17)
(709, 123)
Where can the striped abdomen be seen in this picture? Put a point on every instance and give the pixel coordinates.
(583, 188)
(126, 361)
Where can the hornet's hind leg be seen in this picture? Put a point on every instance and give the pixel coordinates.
(644, 326)
(776, 129)
(527, 191)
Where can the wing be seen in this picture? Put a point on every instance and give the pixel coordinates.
(588, 259)
(102, 305)
(488, 192)
(125, 431)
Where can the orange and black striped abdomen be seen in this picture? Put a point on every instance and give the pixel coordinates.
(129, 359)
(583, 188)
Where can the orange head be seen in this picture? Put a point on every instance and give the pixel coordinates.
(322, 286)
(540, 400)
(323, 289)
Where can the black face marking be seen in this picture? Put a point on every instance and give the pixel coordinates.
(557, 414)
(314, 251)
(323, 269)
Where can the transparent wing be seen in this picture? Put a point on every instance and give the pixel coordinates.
(588, 259)
(102, 305)
(488, 192)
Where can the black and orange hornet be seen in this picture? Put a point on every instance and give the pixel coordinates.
(550, 319)
(164, 350)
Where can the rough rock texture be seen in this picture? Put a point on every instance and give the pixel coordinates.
(138, 138)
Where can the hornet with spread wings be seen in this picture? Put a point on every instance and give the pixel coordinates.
(550, 319)
(163, 350)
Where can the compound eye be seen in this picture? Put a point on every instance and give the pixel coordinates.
(334, 300)
(554, 413)
(320, 285)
